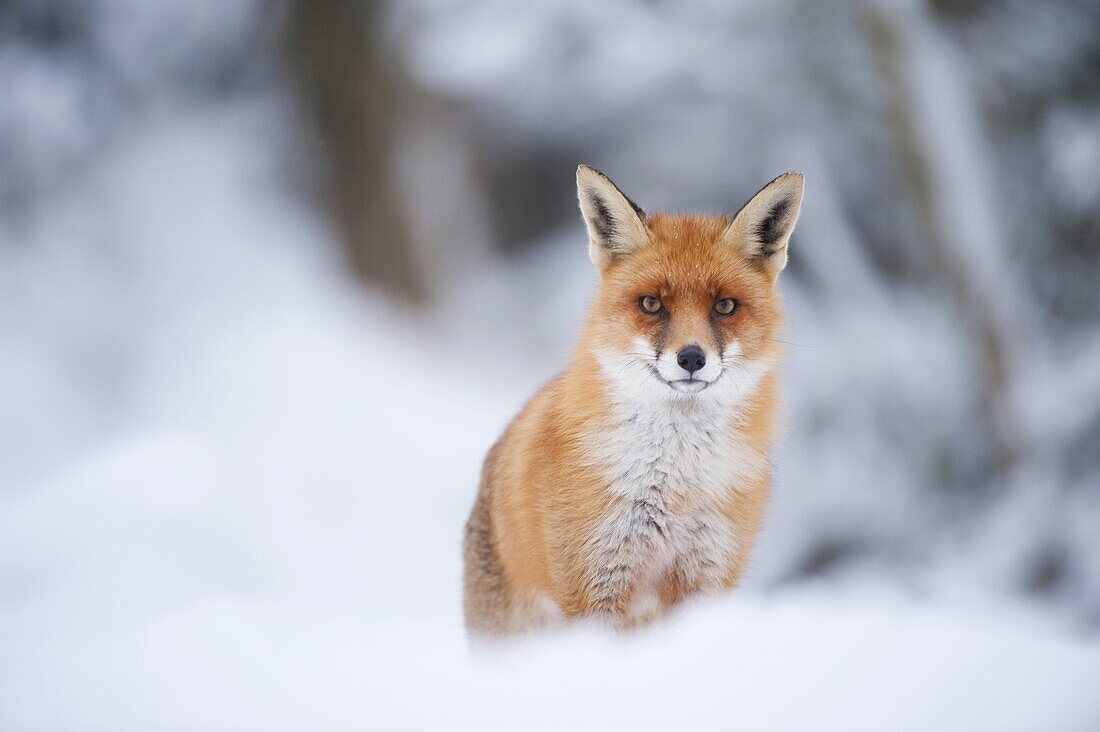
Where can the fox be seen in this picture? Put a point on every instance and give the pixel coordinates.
(638, 477)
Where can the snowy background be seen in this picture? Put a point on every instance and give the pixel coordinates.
(252, 254)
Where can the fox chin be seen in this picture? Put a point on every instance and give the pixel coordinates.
(638, 477)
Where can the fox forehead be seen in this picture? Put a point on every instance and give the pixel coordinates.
(689, 258)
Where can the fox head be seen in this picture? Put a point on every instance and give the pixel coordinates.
(686, 307)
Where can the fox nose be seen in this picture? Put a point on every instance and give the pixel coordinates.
(691, 359)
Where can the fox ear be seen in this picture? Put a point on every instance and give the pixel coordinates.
(763, 226)
(616, 226)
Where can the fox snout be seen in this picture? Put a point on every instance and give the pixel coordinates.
(691, 365)
(691, 359)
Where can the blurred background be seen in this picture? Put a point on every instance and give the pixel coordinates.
(252, 254)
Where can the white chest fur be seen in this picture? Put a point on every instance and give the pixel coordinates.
(672, 462)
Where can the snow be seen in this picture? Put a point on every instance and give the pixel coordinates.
(783, 663)
(233, 481)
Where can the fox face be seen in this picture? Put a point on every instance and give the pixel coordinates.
(686, 308)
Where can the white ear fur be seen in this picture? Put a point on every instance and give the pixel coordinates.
(763, 226)
(616, 226)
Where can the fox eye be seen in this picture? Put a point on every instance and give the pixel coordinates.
(726, 306)
(650, 305)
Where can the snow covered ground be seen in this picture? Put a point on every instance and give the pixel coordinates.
(232, 481)
(255, 525)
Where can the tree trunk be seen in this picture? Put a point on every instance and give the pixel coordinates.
(354, 92)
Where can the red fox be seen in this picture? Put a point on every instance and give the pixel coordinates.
(638, 476)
